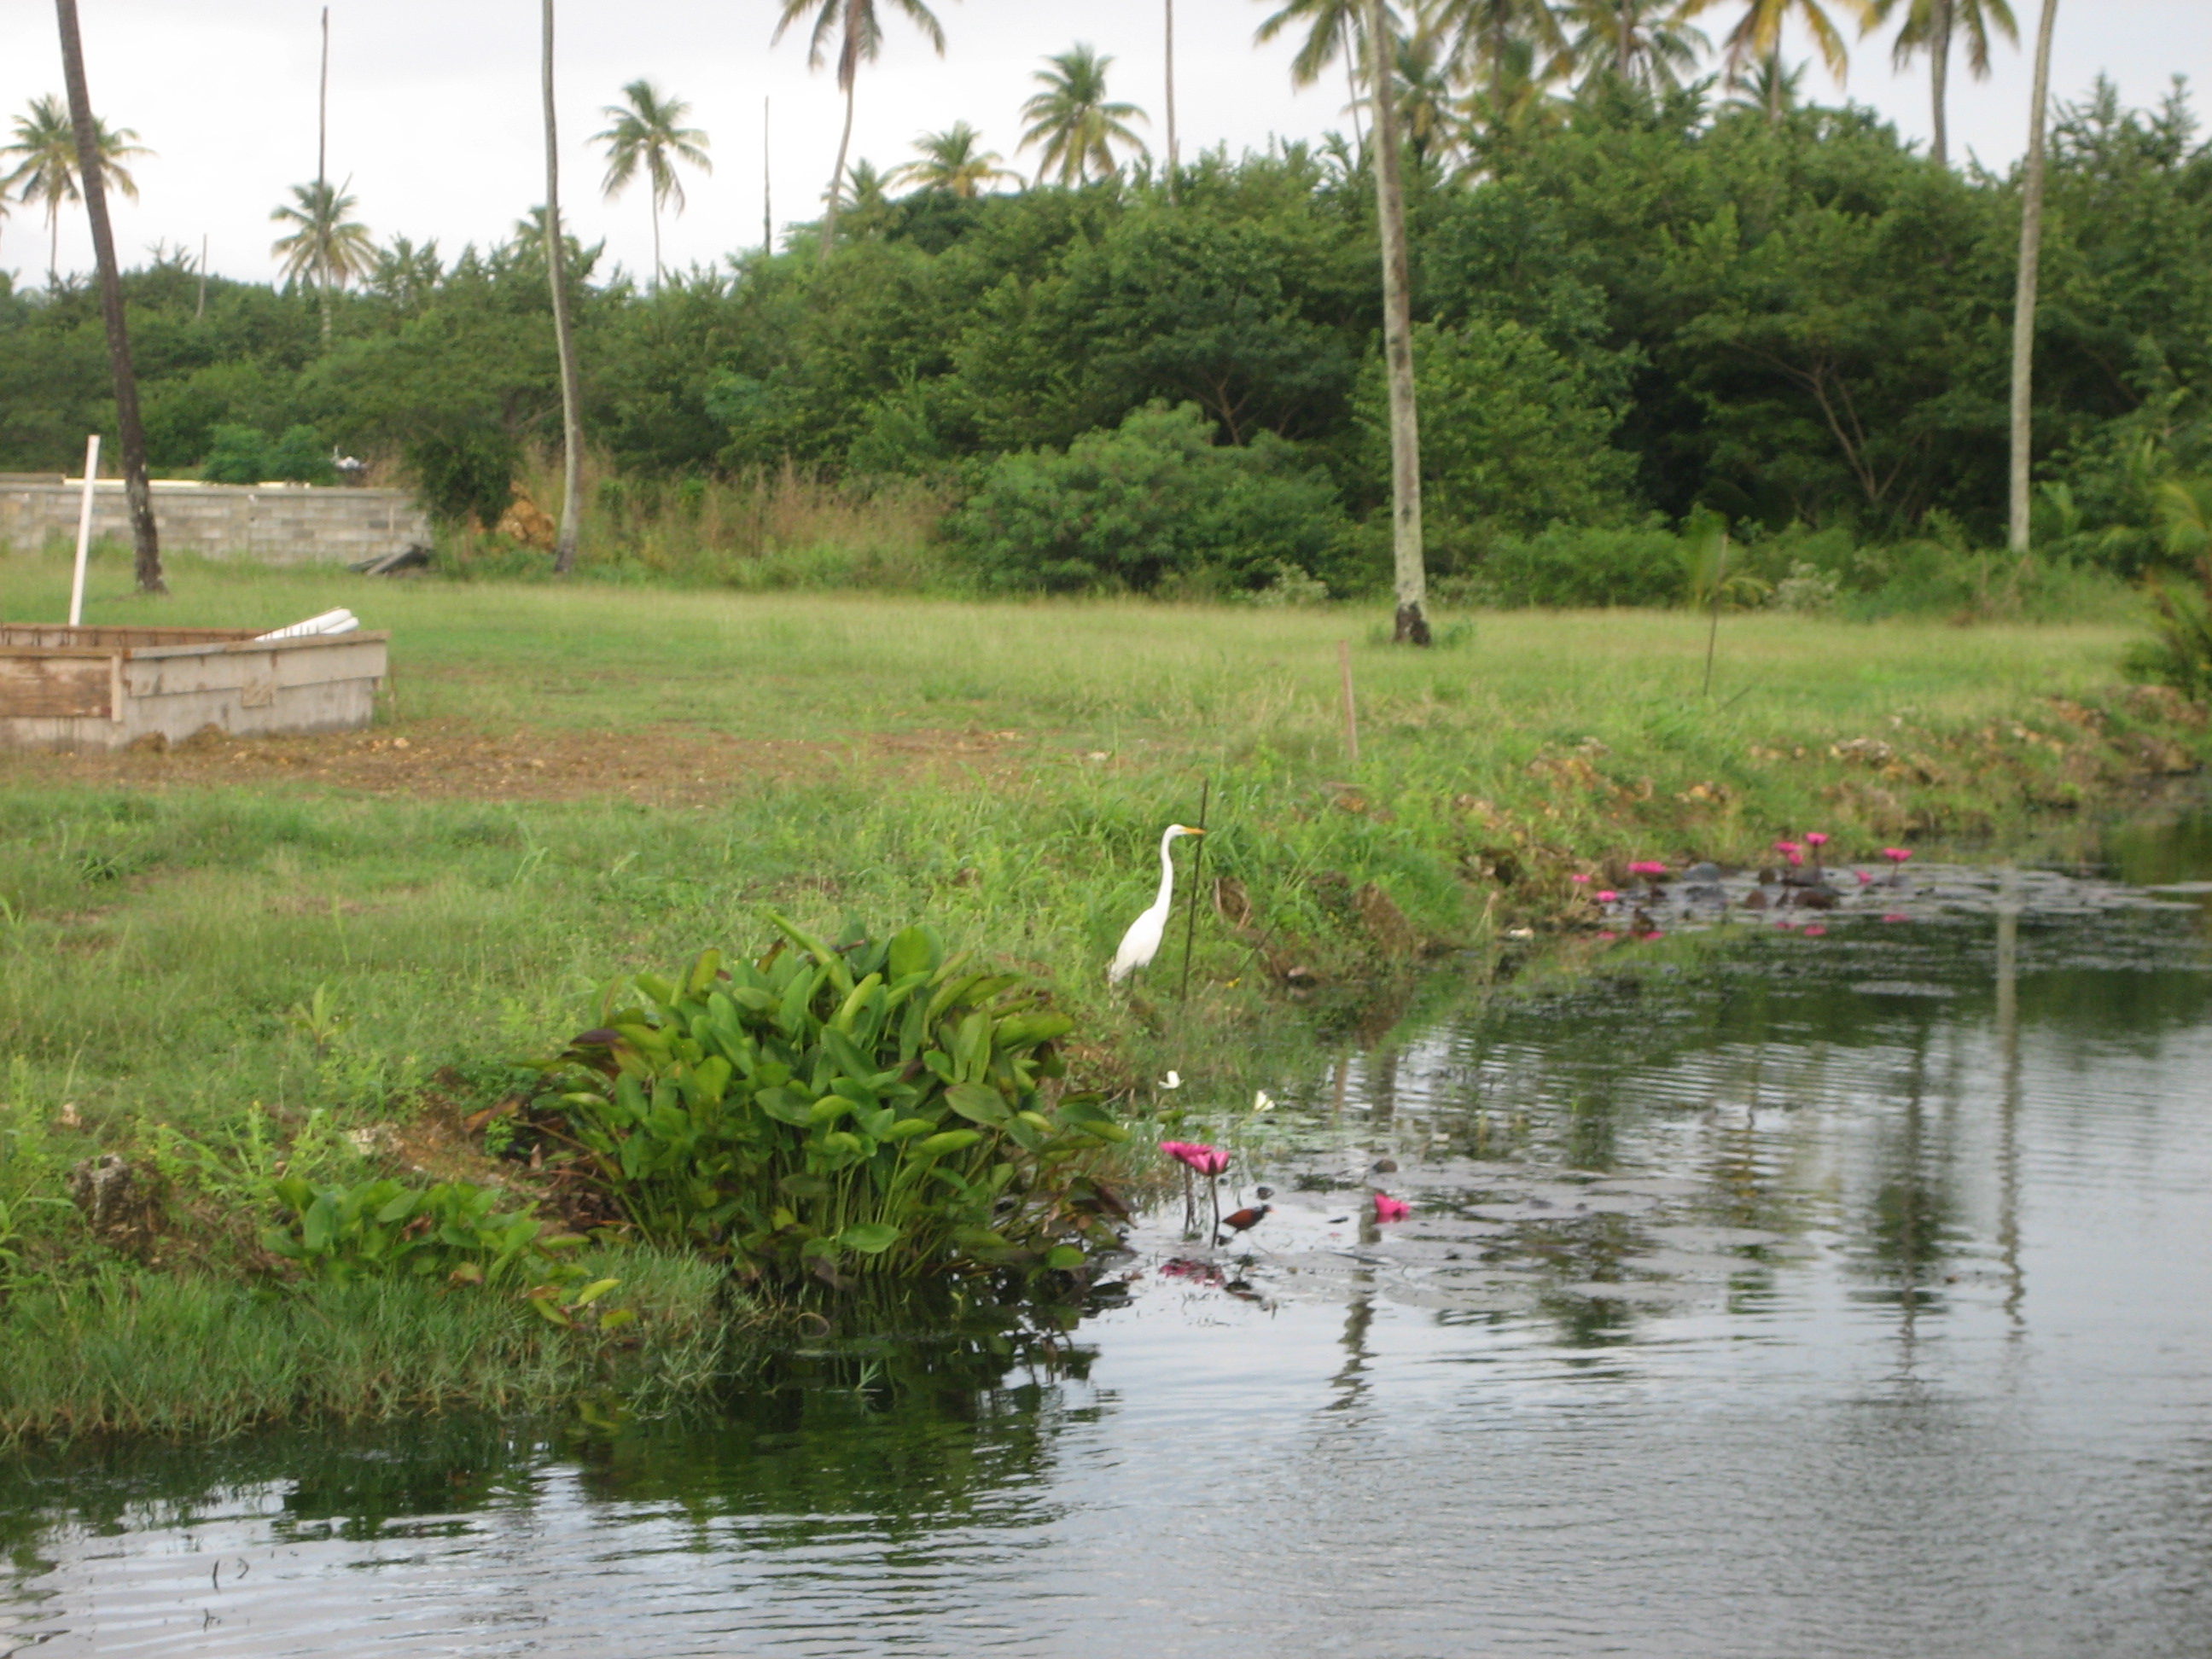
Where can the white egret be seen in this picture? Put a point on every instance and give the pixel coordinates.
(1142, 942)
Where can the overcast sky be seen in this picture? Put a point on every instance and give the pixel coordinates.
(433, 103)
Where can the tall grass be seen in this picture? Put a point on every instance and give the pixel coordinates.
(174, 1354)
(764, 530)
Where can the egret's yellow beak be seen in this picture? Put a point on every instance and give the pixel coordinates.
(1188, 830)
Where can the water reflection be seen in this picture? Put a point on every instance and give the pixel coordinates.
(1839, 1297)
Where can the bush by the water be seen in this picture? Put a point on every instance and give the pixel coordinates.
(1154, 501)
(876, 1107)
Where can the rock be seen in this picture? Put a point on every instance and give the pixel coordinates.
(115, 1203)
(526, 522)
(1701, 875)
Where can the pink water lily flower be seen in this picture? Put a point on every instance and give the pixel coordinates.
(1388, 1208)
(1647, 867)
(1815, 931)
(1785, 847)
(1864, 876)
(1814, 838)
(1607, 896)
(1897, 915)
(1206, 1160)
(1896, 855)
(1794, 857)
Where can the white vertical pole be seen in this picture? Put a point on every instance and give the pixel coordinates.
(83, 529)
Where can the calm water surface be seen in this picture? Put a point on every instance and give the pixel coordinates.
(1851, 1296)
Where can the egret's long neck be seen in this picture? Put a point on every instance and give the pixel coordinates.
(1167, 873)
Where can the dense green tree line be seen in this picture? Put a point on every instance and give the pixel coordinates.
(1656, 304)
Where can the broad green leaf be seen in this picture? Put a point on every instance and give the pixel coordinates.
(869, 1238)
(1064, 1257)
(916, 950)
(952, 1140)
(977, 1103)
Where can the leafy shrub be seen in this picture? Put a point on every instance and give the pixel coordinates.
(239, 455)
(1154, 499)
(465, 473)
(450, 1231)
(874, 1106)
(2179, 652)
(1514, 436)
(1566, 566)
(244, 455)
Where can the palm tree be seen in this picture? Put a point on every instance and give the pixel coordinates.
(1426, 118)
(1332, 27)
(1408, 560)
(647, 132)
(45, 154)
(1645, 43)
(1073, 121)
(951, 161)
(2023, 304)
(327, 246)
(859, 38)
(1487, 30)
(564, 337)
(1518, 100)
(1757, 37)
(1929, 26)
(93, 172)
(1770, 88)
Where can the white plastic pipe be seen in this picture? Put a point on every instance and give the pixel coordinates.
(340, 621)
(83, 531)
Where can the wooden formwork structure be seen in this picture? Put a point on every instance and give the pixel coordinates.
(108, 688)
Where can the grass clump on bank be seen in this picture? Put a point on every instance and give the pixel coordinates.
(128, 1351)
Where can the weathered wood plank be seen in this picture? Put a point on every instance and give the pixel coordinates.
(56, 688)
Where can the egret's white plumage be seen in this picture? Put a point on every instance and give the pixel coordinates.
(1142, 942)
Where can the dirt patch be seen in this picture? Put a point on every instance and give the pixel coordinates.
(661, 766)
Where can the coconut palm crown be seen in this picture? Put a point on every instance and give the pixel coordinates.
(327, 246)
(954, 161)
(1073, 122)
(648, 135)
(46, 170)
(859, 34)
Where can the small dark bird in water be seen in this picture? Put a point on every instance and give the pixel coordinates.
(1265, 1191)
(1242, 1220)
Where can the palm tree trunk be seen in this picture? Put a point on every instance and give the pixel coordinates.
(656, 242)
(564, 340)
(92, 180)
(54, 245)
(1939, 81)
(1174, 158)
(2023, 304)
(1351, 79)
(1621, 59)
(1774, 82)
(1408, 565)
(837, 179)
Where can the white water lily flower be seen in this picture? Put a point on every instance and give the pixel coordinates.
(1261, 1102)
(1172, 1080)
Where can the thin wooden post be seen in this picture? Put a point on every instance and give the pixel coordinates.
(1713, 634)
(83, 529)
(1197, 874)
(1351, 708)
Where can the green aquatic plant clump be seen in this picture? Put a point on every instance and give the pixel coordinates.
(878, 1107)
(452, 1229)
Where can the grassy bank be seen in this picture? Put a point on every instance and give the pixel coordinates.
(125, 1350)
(573, 784)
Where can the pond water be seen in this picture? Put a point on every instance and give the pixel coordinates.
(1846, 1295)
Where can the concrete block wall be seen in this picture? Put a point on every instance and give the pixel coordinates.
(277, 524)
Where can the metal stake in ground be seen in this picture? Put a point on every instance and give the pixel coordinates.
(1713, 634)
(1351, 708)
(1197, 875)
